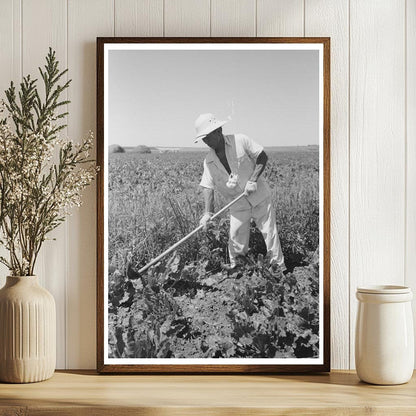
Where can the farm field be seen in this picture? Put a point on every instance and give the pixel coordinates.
(187, 306)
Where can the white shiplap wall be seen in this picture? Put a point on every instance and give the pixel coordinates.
(373, 132)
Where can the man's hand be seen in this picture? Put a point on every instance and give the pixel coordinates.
(205, 219)
(250, 188)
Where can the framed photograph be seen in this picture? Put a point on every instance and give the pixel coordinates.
(213, 205)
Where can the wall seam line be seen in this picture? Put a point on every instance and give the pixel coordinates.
(66, 222)
(349, 185)
(21, 41)
(405, 144)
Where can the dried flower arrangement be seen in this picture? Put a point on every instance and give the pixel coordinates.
(41, 174)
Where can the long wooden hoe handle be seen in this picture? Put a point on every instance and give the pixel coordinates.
(170, 249)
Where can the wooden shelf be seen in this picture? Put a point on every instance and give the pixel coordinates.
(86, 393)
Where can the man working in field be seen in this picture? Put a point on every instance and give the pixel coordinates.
(234, 166)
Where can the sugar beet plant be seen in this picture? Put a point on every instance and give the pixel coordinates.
(180, 309)
(41, 175)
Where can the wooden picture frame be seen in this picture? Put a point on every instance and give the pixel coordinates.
(112, 354)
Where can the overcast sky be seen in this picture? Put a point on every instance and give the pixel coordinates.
(155, 96)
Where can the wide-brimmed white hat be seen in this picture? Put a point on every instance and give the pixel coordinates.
(205, 124)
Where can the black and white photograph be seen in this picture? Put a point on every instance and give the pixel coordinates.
(213, 204)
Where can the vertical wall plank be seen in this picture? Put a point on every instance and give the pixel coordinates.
(233, 18)
(6, 45)
(280, 18)
(44, 26)
(10, 43)
(187, 18)
(331, 18)
(10, 67)
(86, 21)
(411, 150)
(138, 17)
(377, 147)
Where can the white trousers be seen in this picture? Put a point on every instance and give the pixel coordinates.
(265, 218)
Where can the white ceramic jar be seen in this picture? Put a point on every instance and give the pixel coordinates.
(384, 352)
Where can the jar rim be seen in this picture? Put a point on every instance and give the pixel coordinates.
(384, 289)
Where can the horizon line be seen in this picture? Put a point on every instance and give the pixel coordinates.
(205, 147)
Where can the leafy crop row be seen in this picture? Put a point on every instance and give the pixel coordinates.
(187, 311)
(187, 306)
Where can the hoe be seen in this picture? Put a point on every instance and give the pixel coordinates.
(170, 249)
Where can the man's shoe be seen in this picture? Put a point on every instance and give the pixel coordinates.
(230, 268)
(239, 263)
(279, 269)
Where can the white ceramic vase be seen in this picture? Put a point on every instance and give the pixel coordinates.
(27, 331)
(384, 352)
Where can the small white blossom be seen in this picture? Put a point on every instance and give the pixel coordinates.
(37, 189)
